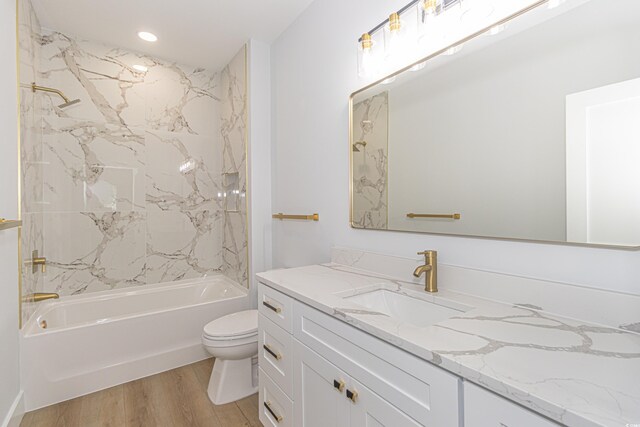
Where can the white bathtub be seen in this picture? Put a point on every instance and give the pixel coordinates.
(104, 339)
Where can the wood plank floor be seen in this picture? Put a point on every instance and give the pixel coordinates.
(174, 398)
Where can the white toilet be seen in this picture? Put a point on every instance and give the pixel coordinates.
(233, 341)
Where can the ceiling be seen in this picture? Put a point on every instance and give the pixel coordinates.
(203, 33)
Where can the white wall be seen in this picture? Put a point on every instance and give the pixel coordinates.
(9, 351)
(259, 160)
(314, 69)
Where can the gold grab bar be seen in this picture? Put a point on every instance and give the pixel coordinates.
(281, 216)
(6, 224)
(445, 216)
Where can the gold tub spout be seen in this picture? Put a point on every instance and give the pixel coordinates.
(39, 296)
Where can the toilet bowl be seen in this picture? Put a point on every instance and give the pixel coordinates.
(233, 341)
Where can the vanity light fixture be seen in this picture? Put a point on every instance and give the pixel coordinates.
(140, 68)
(399, 36)
(147, 36)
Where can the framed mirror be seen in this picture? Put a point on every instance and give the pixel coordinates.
(529, 134)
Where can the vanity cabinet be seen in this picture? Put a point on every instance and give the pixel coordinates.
(318, 371)
(483, 408)
(338, 377)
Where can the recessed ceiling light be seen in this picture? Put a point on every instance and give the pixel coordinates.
(140, 68)
(148, 37)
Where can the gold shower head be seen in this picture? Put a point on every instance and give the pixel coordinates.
(67, 102)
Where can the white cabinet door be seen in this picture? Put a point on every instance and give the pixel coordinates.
(367, 409)
(482, 408)
(319, 390)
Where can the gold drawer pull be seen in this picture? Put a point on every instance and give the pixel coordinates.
(271, 307)
(338, 385)
(268, 349)
(352, 395)
(278, 418)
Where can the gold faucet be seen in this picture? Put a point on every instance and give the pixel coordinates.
(430, 267)
(39, 296)
(37, 261)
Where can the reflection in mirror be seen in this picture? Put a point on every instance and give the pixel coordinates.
(531, 133)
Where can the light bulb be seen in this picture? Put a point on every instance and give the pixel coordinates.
(389, 80)
(366, 56)
(419, 66)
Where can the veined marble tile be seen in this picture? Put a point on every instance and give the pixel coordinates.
(94, 251)
(32, 239)
(183, 245)
(92, 166)
(233, 132)
(181, 99)
(31, 157)
(182, 172)
(370, 126)
(235, 249)
(102, 77)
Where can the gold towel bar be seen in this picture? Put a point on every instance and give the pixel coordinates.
(6, 224)
(446, 216)
(281, 216)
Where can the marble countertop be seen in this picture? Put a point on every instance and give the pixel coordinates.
(571, 371)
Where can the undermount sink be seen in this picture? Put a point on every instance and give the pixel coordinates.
(405, 308)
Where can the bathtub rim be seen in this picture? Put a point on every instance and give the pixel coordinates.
(31, 329)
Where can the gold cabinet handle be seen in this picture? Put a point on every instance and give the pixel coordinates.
(339, 385)
(352, 395)
(277, 417)
(271, 307)
(275, 355)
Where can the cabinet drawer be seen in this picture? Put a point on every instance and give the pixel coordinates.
(275, 409)
(276, 307)
(417, 388)
(482, 408)
(276, 353)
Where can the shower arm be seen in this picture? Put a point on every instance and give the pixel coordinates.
(35, 87)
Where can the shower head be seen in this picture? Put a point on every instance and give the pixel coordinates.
(355, 146)
(69, 103)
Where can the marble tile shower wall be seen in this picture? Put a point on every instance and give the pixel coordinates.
(32, 172)
(371, 126)
(132, 190)
(233, 130)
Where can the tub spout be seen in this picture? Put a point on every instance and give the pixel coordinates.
(37, 297)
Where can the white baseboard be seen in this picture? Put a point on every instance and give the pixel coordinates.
(16, 412)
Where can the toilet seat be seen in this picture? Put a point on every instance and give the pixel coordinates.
(235, 326)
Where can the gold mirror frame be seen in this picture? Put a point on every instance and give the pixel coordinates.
(407, 68)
